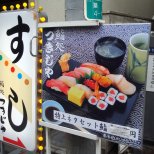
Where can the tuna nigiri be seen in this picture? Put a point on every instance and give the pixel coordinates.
(69, 81)
(87, 91)
(57, 85)
(122, 84)
(96, 68)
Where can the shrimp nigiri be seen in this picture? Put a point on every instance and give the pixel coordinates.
(85, 70)
(96, 68)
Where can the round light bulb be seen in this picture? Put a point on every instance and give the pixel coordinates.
(4, 8)
(40, 91)
(40, 129)
(40, 71)
(40, 61)
(40, 81)
(42, 19)
(32, 4)
(18, 6)
(40, 8)
(11, 7)
(40, 30)
(40, 101)
(41, 41)
(25, 5)
(40, 51)
(40, 110)
(40, 148)
(40, 138)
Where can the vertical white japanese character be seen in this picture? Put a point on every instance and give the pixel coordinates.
(48, 72)
(95, 5)
(50, 36)
(48, 47)
(60, 46)
(49, 60)
(60, 35)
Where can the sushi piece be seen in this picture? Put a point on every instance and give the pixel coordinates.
(69, 81)
(96, 68)
(101, 105)
(87, 90)
(74, 74)
(121, 98)
(120, 82)
(89, 83)
(113, 92)
(80, 71)
(63, 62)
(102, 95)
(76, 95)
(93, 100)
(96, 91)
(57, 85)
(102, 80)
(85, 70)
(110, 100)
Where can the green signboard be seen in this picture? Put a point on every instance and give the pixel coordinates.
(93, 9)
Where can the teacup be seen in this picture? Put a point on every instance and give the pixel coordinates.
(137, 57)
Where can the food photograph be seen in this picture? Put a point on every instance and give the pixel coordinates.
(97, 73)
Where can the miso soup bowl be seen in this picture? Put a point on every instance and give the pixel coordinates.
(111, 63)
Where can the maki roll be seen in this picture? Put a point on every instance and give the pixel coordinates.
(93, 100)
(110, 100)
(101, 105)
(122, 98)
(112, 92)
(102, 95)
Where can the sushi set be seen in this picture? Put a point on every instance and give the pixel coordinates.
(92, 89)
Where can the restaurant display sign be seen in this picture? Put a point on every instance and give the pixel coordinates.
(18, 79)
(94, 78)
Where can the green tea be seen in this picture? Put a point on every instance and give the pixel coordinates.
(141, 46)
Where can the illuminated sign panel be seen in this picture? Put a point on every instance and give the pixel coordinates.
(18, 79)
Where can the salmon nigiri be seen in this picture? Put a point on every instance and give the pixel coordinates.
(57, 85)
(96, 68)
(122, 84)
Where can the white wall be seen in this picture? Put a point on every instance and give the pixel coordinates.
(55, 9)
(143, 8)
